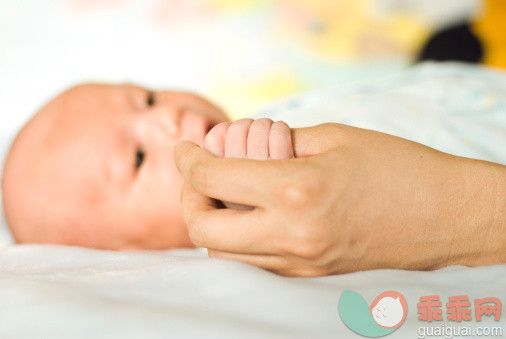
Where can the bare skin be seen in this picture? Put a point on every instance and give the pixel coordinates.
(353, 199)
(260, 139)
(95, 168)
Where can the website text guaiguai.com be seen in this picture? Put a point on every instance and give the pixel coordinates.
(459, 331)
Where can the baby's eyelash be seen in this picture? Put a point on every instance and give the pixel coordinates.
(151, 99)
(139, 157)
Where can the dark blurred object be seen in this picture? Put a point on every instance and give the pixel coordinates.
(457, 43)
(482, 39)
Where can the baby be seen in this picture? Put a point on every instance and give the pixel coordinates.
(95, 166)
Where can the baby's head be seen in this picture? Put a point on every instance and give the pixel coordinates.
(95, 168)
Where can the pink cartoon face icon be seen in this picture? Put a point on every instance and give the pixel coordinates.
(389, 309)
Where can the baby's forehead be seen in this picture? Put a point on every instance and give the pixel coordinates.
(68, 138)
(98, 89)
(59, 155)
(76, 131)
(85, 112)
(89, 98)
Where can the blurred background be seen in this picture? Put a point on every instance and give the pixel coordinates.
(241, 54)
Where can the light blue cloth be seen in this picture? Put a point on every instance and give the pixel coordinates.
(456, 108)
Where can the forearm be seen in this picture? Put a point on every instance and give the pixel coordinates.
(449, 211)
(480, 214)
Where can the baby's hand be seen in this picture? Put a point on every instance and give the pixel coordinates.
(259, 139)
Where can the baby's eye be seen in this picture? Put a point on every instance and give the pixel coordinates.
(150, 99)
(139, 157)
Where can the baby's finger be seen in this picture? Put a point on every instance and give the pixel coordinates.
(280, 141)
(215, 139)
(258, 139)
(237, 136)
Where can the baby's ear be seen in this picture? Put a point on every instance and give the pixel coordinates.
(215, 139)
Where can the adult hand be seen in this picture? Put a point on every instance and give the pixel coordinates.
(353, 199)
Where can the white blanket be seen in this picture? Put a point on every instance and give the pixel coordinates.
(62, 292)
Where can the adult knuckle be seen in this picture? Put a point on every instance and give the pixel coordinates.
(310, 248)
(303, 242)
(299, 190)
(296, 194)
(293, 193)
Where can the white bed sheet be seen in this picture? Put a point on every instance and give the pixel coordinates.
(63, 292)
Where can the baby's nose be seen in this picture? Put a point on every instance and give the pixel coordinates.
(167, 121)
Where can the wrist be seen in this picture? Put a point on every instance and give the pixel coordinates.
(479, 217)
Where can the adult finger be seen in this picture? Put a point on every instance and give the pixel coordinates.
(271, 263)
(224, 229)
(274, 263)
(243, 181)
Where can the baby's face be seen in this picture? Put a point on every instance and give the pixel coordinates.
(95, 168)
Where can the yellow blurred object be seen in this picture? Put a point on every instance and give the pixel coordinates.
(490, 28)
(240, 99)
(349, 29)
(237, 4)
